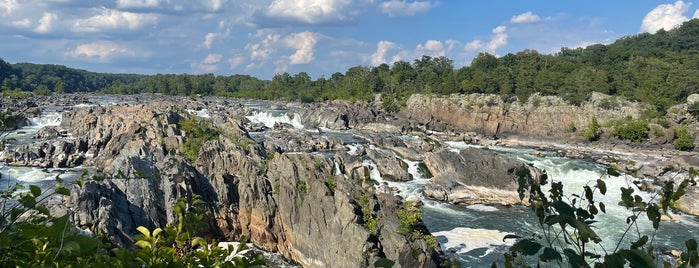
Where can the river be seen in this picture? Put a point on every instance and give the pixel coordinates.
(474, 234)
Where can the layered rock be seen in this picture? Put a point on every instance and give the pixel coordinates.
(488, 115)
(476, 176)
(302, 205)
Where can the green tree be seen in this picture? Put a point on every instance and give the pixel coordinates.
(684, 140)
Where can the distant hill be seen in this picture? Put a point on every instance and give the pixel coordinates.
(660, 68)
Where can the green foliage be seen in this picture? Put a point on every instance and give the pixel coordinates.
(330, 182)
(30, 236)
(571, 128)
(197, 133)
(371, 221)
(276, 188)
(408, 218)
(568, 223)
(693, 109)
(632, 130)
(593, 131)
(302, 188)
(684, 140)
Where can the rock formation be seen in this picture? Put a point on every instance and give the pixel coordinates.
(283, 197)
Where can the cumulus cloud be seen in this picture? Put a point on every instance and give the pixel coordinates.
(527, 17)
(430, 48)
(137, 3)
(102, 50)
(303, 42)
(382, 49)
(666, 16)
(395, 8)
(263, 49)
(235, 62)
(497, 40)
(8, 6)
(114, 19)
(310, 12)
(208, 64)
(46, 22)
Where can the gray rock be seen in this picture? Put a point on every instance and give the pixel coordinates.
(475, 176)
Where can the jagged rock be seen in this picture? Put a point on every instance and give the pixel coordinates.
(390, 167)
(475, 176)
(293, 140)
(302, 205)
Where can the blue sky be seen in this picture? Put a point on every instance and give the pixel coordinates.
(320, 37)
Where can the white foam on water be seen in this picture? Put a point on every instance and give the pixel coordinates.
(203, 113)
(269, 119)
(462, 240)
(46, 119)
(481, 207)
(352, 148)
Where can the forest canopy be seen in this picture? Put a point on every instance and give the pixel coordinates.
(660, 68)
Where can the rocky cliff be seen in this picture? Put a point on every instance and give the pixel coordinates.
(300, 198)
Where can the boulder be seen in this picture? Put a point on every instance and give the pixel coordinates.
(474, 176)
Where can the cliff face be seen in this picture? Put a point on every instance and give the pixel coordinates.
(487, 115)
(303, 204)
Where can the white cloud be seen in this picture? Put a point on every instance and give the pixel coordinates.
(497, 40)
(696, 14)
(430, 48)
(8, 6)
(527, 17)
(666, 16)
(114, 19)
(395, 8)
(235, 62)
(262, 50)
(25, 23)
(209, 64)
(46, 22)
(474, 45)
(137, 3)
(382, 49)
(209, 39)
(312, 11)
(303, 42)
(216, 5)
(101, 50)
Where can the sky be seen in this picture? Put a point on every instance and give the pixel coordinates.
(266, 37)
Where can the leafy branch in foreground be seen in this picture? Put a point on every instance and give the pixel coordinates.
(568, 222)
(30, 236)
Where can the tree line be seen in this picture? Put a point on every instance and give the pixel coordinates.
(660, 68)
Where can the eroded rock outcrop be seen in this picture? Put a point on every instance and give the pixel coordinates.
(303, 205)
(476, 176)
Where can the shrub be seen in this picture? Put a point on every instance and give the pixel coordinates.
(632, 130)
(371, 222)
(693, 109)
(593, 130)
(197, 133)
(330, 182)
(408, 218)
(683, 139)
(571, 128)
(302, 188)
